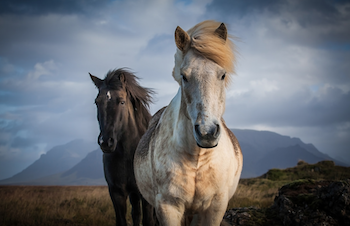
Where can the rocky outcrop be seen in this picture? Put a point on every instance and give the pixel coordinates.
(303, 202)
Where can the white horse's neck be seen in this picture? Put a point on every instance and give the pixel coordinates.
(180, 128)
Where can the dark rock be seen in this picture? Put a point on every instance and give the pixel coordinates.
(309, 202)
(242, 216)
(303, 202)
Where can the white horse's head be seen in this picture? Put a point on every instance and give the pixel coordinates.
(203, 63)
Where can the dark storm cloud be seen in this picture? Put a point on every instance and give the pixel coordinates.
(242, 8)
(42, 7)
(327, 10)
(30, 39)
(321, 21)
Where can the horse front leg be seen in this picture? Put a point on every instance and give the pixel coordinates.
(119, 203)
(168, 213)
(135, 199)
(213, 216)
(149, 214)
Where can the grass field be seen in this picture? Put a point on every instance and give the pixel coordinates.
(91, 205)
(54, 205)
(87, 205)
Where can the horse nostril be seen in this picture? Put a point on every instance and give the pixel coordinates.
(216, 131)
(212, 132)
(100, 140)
(196, 128)
(110, 142)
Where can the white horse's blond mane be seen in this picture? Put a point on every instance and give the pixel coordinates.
(210, 45)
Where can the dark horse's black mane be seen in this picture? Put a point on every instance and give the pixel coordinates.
(140, 97)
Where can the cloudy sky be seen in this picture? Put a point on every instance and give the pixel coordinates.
(293, 71)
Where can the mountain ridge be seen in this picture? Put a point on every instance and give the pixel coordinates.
(257, 144)
(262, 150)
(57, 160)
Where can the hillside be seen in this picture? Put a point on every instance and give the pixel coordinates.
(307, 194)
(323, 170)
(284, 157)
(57, 160)
(264, 150)
(89, 171)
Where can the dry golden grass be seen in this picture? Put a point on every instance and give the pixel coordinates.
(255, 192)
(91, 205)
(260, 192)
(56, 205)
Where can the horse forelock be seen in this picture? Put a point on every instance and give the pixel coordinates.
(139, 96)
(205, 42)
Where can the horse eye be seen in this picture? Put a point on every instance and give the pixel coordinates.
(122, 102)
(223, 77)
(184, 78)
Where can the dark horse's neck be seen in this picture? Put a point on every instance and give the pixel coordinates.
(137, 125)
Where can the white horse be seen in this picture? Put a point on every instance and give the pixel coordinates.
(188, 163)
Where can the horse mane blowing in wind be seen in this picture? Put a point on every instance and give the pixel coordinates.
(188, 163)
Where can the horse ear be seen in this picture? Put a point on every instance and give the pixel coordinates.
(122, 78)
(221, 31)
(98, 82)
(181, 38)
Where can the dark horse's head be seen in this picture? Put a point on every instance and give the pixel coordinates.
(122, 108)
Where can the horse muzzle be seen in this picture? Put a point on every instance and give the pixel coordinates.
(207, 136)
(107, 145)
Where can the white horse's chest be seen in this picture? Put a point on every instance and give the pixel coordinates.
(195, 186)
(206, 187)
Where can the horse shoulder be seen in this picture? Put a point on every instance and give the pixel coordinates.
(142, 160)
(143, 146)
(156, 117)
(236, 149)
(234, 141)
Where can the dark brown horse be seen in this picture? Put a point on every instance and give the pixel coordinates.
(123, 116)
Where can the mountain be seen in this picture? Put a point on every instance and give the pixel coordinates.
(59, 159)
(89, 171)
(282, 158)
(74, 164)
(90, 167)
(263, 150)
